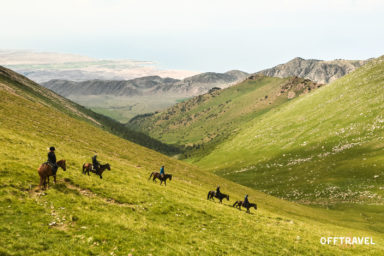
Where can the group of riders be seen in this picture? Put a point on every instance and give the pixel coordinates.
(96, 166)
(52, 161)
(95, 163)
(245, 202)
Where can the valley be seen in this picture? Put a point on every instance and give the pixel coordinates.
(124, 212)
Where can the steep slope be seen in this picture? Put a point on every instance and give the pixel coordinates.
(325, 148)
(316, 70)
(123, 99)
(203, 121)
(31, 89)
(124, 213)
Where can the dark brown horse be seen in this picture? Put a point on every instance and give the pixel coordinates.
(157, 175)
(88, 167)
(221, 196)
(45, 170)
(238, 204)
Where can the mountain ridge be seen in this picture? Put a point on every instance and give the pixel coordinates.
(320, 71)
(187, 87)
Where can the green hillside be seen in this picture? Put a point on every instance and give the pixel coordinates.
(14, 81)
(125, 214)
(204, 121)
(324, 148)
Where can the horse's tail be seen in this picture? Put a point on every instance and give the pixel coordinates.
(150, 176)
(83, 167)
(209, 192)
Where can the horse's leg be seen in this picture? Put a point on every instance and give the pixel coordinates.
(165, 182)
(41, 182)
(54, 179)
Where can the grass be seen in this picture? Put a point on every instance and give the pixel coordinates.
(207, 120)
(36, 92)
(325, 148)
(124, 108)
(124, 213)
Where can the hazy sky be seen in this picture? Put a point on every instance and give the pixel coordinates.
(200, 35)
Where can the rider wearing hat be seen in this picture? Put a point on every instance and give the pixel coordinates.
(52, 160)
(218, 190)
(95, 163)
(246, 202)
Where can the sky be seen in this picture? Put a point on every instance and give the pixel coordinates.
(198, 35)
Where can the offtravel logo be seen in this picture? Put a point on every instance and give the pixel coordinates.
(341, 240)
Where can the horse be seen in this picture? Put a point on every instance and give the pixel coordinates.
(45, 170)
(157, 175)
(221, 196)
(88, 167)
(238, 204)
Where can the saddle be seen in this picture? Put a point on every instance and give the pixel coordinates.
(53, 166)
(49, 163)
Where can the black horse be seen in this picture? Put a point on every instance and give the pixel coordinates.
(221, 196)
(157, 175)
(88, 168)
(238, 204)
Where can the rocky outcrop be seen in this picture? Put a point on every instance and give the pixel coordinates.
(316, 70)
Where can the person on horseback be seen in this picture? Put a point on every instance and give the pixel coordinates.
(162, 171)
(218, 191)
(246, 202)
(95, 163)
(52, 160)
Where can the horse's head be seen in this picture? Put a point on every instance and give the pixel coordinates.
(227, 197)
(170, 176)
(255, 206)
(108, 167)
(62, 164)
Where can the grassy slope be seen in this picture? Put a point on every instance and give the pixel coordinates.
(209, 119)
(325, 148)
(17, 81)
(124, 213)
(123, 108)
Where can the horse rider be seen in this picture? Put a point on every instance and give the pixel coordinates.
(52, 160)
(162, 172)
(95, 163)
(246, 202)
(218, 191)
